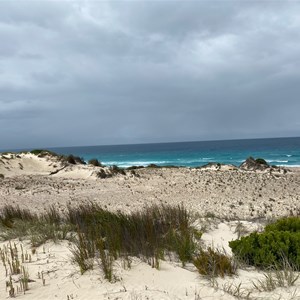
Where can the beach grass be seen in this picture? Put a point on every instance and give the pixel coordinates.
(104, 236)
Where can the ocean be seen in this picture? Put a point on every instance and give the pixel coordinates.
(276, 151)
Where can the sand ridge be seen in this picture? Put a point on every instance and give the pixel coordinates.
(226, 192)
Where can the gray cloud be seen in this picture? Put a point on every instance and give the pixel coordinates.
(83, 73)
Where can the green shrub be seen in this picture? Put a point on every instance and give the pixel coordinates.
(291, 224)
(261, 161)
(1, 176)
(280, 241)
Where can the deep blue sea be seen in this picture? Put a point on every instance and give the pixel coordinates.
(276, 151)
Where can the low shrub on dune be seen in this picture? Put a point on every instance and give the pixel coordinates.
(279, 242)
(95, 162)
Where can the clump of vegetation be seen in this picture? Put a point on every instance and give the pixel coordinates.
(71, 159)
(102, 174)
(275, 277)
(291, 224)
(213, 263)
(1, 176)
(135, 168)
(154, 166)
(280, 241)
(12, 259)
(43, 153)
(16, 222)
(102, 236)
(149, 234)
(95, 162)
(261, 161)
(114, 170)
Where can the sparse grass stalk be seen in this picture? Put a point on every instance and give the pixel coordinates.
(236, 290)
(283, 275)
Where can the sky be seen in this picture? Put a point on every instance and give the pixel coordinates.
(120, 72)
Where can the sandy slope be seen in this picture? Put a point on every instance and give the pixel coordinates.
(228, 193)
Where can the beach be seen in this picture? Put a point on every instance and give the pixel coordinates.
(219, 197)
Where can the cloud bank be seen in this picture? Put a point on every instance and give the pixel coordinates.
(91, 73)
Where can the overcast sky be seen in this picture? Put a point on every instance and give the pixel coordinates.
(115, 72)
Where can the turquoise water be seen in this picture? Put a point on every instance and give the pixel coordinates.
(279, 151)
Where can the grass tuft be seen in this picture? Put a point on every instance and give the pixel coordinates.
(104, 236)
(213, 263)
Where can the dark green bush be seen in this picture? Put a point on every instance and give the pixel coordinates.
(135, 168)
(280, 241)
(291, 224)
(261, 161)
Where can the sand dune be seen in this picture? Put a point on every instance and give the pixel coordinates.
(219, 198)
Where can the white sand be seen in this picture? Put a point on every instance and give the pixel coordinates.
(229, 194)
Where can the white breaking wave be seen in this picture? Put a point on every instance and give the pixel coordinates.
(134, 163)
(292, 166)
(126, 164)
(277, 161)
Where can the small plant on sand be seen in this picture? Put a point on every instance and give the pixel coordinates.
(213, 263)
(95, 162)
(12, 259)
(1, 176)
(73, 160)
(83, 252)
(105, 260)
(114, 170)
(236, 290)
(282, 275)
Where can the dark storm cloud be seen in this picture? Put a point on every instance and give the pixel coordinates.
(83, 73)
